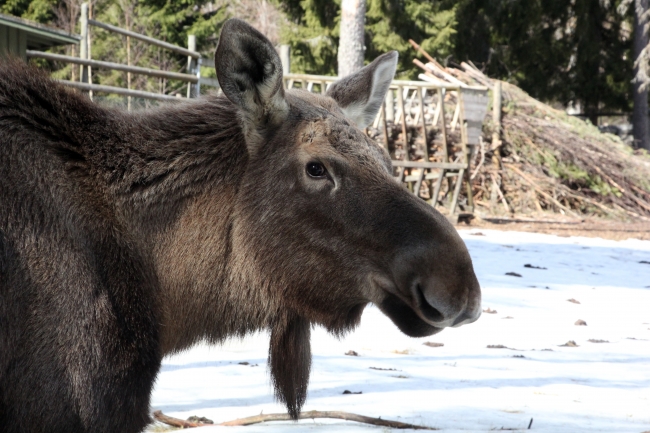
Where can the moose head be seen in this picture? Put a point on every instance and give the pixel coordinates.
(320, 225)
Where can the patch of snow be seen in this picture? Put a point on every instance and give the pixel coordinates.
(464, 385)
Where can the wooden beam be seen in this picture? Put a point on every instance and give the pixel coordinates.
(405, 138)
(420, 50)
(423, 164)
(424, 125)
(443, 126)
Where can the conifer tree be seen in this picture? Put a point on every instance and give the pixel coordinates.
(314, 32)
(578, 51)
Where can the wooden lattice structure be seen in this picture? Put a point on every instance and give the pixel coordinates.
(417, 124)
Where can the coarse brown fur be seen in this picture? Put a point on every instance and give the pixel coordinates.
(128, 236)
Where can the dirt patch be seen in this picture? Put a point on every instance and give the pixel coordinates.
(593, 228)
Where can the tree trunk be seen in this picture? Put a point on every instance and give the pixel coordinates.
(351, 43)
(640, 114)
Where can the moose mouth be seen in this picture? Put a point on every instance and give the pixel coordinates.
(406, 318)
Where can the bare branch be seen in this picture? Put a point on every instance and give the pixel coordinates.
(313, 414)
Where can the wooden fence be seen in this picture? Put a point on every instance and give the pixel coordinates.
(416, 122)
(424, 116)
(192, 77)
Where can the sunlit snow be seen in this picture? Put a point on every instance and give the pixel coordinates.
(464, 385)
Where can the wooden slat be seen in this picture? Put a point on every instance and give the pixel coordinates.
(456, 116)
(384, 125)
(422, 164)
(424, 125)
(431, 79)
(430, 176)
(418, 182)
(454, 199)
(474, 108)
(394, 85)
(436, 189)
(400, 102)
(443, 126)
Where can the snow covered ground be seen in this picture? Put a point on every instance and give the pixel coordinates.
(465, 385)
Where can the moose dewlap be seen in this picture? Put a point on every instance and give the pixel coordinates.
(125, 237)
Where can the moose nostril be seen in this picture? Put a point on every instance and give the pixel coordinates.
(428, 310)
(461, 319)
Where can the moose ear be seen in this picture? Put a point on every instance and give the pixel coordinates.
(250, 74)
(361, 94)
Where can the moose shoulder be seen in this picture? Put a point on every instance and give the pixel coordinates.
(126, 237)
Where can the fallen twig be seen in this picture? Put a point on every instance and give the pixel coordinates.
(497, 188)
(499, 220)
(177, 422)
(159, 416)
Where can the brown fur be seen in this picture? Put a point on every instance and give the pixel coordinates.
(125, 237)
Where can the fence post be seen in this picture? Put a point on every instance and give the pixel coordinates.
(129, 101)
(285, 58)
(496, 121)
(390, 106)
(192, 68)
(89, 48)
(83, 44)
(197, 86)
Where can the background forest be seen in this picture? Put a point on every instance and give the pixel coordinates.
(575, 52)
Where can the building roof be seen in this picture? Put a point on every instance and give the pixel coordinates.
(39, 36)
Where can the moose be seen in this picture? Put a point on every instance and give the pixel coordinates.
(125, 237)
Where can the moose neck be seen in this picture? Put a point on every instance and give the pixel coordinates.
(181, 178)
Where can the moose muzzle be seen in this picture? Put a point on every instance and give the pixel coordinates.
(433, 284)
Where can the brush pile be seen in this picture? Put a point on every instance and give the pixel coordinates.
(543, 160)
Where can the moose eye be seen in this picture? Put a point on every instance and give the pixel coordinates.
(316, 169)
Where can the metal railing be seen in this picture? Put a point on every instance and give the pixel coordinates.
(193, 77)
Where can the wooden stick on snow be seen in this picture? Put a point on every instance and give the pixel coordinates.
(159, 416)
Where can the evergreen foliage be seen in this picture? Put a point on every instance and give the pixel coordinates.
(39, 11)
(313, 35)
(314, 31)
(578, 51)
(391, 23)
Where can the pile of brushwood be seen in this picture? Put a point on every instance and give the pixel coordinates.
(543, 160)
